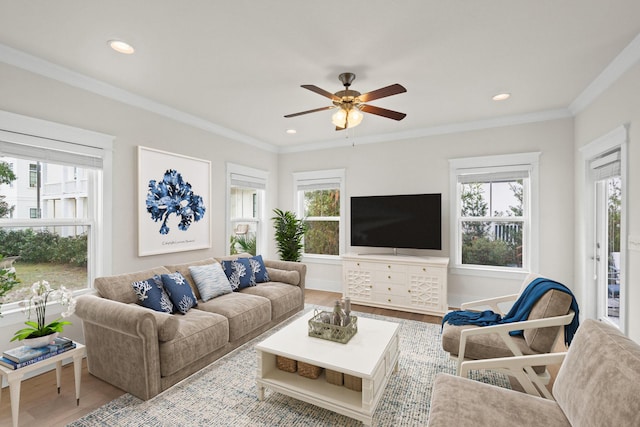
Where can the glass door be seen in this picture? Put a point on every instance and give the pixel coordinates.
(608, 213)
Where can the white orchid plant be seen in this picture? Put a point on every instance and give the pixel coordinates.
(36, 301)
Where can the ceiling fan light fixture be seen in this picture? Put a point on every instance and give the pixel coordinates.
(347, 118)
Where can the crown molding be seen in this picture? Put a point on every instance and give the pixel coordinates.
(53, 71)
(495, 122)
(626, 59)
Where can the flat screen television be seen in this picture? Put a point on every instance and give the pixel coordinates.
(410, 221)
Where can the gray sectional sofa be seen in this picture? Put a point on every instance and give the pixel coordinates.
(144, 352)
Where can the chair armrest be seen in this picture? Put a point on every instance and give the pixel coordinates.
(503, 331)
(520, 367)
(490, 302)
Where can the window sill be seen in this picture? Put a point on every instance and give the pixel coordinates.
(494, 272)
(322, 259)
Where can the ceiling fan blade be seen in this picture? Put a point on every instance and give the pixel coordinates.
(310, 111)
(322, 92)
(339, 128)
(382, 92)
(390, 114)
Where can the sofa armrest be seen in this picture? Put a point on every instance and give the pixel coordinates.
(122, 344)
(289, 266)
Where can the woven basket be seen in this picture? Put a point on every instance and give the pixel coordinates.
(309, 371)
(352, 383)
(286, 364)
(333, 377)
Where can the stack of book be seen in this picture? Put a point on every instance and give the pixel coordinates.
(20, 357)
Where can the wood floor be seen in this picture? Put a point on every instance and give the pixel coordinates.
(40, 404)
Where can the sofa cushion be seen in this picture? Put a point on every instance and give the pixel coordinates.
(184, 270)
(210, 280)
(179, 291)
(552, 303)
(259, 270)
(118, 288)
(457, 401)
(291, 277)
(599, 381)
(151, 294)
(198, 334)
(244, 312)
(481, 346)
(283, 297)
(239, 273)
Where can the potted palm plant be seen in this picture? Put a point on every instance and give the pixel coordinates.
(289, 233)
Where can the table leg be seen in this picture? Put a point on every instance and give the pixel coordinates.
(14, 390)
(260, 392)
(77, 373)
(58, 374)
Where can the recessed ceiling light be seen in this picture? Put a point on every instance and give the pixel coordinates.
(501, 96)
(122, 47)
(291, 131)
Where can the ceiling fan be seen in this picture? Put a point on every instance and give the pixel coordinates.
(351, 103)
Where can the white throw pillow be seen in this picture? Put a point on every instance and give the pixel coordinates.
(210, 280)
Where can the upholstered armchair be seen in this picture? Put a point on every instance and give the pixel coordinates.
(540, 331)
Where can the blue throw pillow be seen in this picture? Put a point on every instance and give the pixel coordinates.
(179, 291)
(151, 294)
(210, 280)
(239, 273)
(259, 270)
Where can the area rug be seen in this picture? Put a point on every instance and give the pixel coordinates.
(224, 393)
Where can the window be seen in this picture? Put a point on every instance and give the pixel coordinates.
(494, 200)
(33, 175)
(61, 227)
(319, 199)
(246, 194)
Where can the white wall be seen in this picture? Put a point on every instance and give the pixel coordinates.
(422, 166)
(618, 105)
(36, 96)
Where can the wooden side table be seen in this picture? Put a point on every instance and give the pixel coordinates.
(15, 376)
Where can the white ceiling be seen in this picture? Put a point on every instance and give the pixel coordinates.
(235, 67)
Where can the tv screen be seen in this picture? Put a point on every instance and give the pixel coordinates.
(399, 221)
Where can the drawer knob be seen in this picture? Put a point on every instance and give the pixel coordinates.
(389, 288)
(388, 277)
(409, 291)
(388, 266)
(389, 299)
(424, 269)
(358, 264)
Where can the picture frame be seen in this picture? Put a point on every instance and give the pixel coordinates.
(174, 200)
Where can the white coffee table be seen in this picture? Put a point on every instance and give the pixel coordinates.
(372, 354)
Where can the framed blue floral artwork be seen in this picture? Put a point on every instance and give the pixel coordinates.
(174, 194)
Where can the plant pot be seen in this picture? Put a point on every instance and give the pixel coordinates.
(39, 341)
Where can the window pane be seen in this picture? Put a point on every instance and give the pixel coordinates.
(55, 254)
(322, 203)
(243, 202)
(244, 208)
(482, 199)
(492, 243)
(44, 190)
(322, 237)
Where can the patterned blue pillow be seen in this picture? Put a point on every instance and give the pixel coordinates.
(179, 291)
(259, 270)
(239, 273)
(152, 295)
(210, 280)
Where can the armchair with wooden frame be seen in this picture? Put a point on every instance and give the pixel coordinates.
(508, 353)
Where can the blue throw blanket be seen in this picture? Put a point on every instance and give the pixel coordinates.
(520, 310)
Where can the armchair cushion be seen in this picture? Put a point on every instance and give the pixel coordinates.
(553, 303)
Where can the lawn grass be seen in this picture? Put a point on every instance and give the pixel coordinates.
(72, 277)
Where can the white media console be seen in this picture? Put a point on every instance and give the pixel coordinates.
(414, 284)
